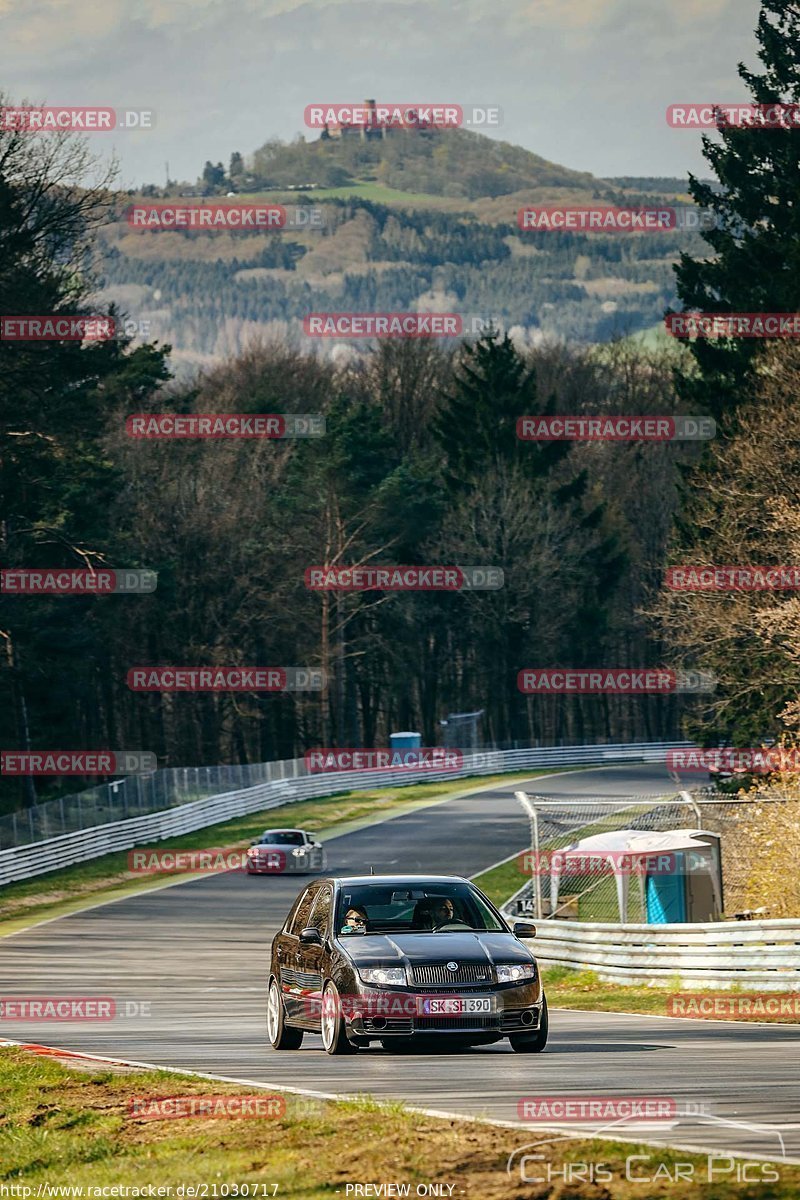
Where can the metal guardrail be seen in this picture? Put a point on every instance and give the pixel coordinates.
(38, 857)
(134, 796)
(763, 955)
(140, 795)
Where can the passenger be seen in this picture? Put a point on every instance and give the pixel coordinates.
(355, 920)
(443, 912)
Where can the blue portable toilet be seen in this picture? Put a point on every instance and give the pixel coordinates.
(401, 741)
(692, 890)
(666, 896)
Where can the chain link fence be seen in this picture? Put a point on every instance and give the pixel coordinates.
(159, 791)
(558, 824)
(135, 796)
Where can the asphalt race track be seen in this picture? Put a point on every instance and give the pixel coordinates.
(198, 954)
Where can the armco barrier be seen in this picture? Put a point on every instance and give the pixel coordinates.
(755, 955)
(23, 862)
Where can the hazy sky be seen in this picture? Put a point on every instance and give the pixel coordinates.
(581, 82)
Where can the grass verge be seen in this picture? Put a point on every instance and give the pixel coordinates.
(72, 1128)
(108, 878)
(568, 988)
(501, 882)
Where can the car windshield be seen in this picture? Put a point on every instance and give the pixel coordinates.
(416, 908)
(283, 837)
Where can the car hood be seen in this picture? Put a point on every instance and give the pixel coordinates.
(460, 946)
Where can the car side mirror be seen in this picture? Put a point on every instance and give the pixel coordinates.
(523, 929)
(310, 936)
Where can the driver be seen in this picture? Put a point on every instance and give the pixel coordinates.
(443, 912)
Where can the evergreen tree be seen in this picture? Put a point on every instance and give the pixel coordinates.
(476, 428)
(754, 264)
(57, 479)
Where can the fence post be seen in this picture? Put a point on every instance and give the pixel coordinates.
(689, 798)
(530, 809)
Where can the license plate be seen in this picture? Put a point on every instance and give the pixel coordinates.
(448, 1006)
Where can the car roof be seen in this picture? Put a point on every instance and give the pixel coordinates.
(280, 829)
(399, 880)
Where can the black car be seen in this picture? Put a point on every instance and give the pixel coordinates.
(402, 959)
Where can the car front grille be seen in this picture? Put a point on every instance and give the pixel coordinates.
(438, 974)
(455, 1024)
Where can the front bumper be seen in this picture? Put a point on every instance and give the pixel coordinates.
(287, 864)
(517, 1010)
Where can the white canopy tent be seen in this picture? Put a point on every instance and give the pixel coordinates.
(626, 852)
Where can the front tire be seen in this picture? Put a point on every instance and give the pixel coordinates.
(332, 1024)
(281, 1036)
(532, 1043)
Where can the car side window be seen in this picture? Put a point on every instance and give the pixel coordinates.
(299, 918)
(321, 912)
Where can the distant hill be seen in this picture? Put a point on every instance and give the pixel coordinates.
(411, 222)
(447, 162)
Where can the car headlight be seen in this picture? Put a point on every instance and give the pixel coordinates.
(299, 851)
(382, 975)
(515, 972)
